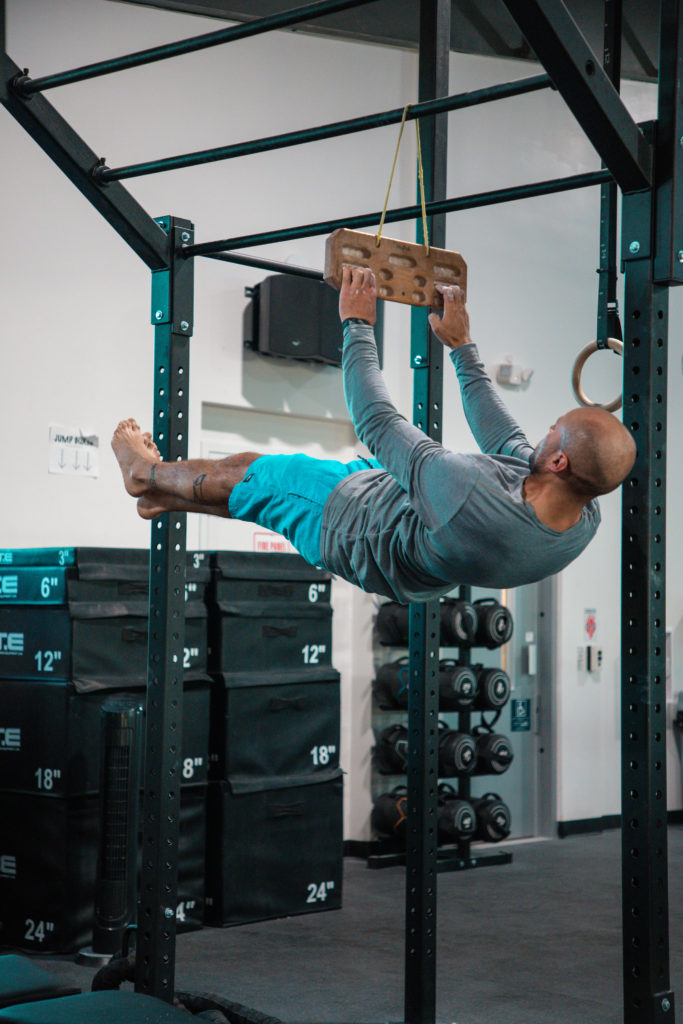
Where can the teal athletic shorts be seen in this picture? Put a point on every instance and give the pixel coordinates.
(287, 494)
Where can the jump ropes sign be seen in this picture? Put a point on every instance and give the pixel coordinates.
(73, 452)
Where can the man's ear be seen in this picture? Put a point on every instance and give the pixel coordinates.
(558, 463)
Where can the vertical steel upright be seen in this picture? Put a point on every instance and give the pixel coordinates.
(647, 997)
(423, 705)
(172, 315)
(652, 254)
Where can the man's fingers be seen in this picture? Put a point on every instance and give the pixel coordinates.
(357, 279)
(449, 291)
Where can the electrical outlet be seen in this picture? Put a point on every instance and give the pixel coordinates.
(593, 659)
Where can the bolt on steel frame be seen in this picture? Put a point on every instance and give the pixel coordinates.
(646, 162)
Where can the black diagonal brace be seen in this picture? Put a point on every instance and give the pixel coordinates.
(71, 154)
(586, 89)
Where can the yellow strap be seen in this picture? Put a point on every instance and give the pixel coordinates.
(422, 188)
(420, 177)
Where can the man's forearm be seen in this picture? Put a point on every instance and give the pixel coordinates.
(494, 429)
(393, 441)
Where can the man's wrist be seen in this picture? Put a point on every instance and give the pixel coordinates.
(355, 320)
(463, 348)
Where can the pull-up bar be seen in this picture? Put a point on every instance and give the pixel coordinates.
(28, 86)
(458, 101)
(254, 261)
(471, 202)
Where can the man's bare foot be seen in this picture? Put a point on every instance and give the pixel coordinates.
(134, 457)
(151, 447)
(148, 508)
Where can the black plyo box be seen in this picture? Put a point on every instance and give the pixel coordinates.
(94, 646)
(89, 575)
(274, 725)
(51, 737)
(97, 563)
(48, 869)
(274, 853)
(47, 872)
(255, 636)
(34, 585)
(245, 576)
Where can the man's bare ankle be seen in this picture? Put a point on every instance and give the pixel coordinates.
(142, 471)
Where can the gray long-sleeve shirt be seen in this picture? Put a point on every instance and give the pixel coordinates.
(431, 518)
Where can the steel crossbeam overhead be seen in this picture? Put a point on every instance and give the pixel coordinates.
(329, 131)
(586, 88)
(203, 42)
(57, 138)
(504, 195)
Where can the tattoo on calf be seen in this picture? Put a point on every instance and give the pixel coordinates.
(152, 475)
(197, 486)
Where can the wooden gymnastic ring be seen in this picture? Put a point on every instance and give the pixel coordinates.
(616, 346)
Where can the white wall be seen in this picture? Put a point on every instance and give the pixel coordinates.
(75, 324)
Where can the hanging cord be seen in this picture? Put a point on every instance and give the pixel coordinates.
(420, 175)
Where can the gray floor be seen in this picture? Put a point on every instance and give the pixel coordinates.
(532, 942)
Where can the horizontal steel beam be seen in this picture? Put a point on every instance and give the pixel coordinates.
(357, 124)
(203, 42)
(577, 73)
(505, 195)
(57, 138)
(254, 261)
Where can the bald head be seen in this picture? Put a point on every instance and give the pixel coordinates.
(599, 449)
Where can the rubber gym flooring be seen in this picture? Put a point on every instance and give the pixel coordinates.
(537, 941)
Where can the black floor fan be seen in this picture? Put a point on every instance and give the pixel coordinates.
(116, 883)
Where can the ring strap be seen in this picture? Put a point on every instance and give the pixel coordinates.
(608, 323)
